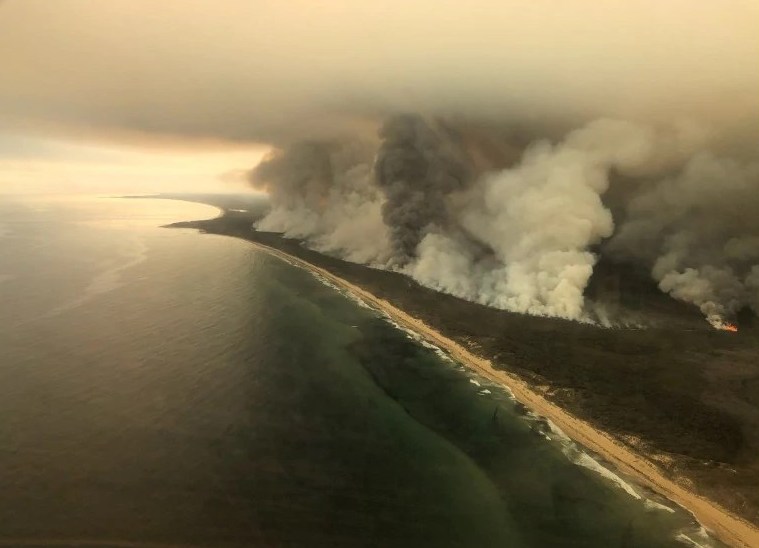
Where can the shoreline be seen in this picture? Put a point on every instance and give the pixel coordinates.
(718, 521)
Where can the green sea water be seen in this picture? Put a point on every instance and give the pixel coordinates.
(165, 388)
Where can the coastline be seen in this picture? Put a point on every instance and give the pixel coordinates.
(725, 522)
(721, 523)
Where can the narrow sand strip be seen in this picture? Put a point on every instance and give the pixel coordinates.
(718, 521)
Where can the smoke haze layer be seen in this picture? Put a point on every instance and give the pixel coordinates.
(279, 72)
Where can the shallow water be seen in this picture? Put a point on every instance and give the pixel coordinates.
(165, 387)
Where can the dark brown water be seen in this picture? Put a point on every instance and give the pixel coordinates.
(160, 387)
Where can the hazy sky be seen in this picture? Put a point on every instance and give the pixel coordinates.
(138, 83)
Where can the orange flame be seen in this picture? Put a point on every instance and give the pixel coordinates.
(719, 323)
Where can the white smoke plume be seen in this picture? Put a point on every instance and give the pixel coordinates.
(699, 230)
(525, 237)
(539, 218)
(323, 193)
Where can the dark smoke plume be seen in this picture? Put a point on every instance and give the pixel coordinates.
(417, 166)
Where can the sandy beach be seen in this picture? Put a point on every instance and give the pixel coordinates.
(719, 522)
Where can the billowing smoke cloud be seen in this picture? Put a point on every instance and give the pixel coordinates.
(525, 237)
(417, 166)
(539, 218)
(323, 192)
(699, 229)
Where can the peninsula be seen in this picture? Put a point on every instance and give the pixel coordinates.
(674, 405)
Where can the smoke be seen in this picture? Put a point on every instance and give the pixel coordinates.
(279, 72)
(699, 231)
(549, 135)
(539, 219)
(526, 236)
(417, 166)
(323, 192)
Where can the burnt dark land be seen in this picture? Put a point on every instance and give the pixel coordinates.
(671, 387)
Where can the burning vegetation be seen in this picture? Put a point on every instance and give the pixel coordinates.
(520, 224)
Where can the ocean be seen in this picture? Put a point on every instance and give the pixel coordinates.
(160, 387)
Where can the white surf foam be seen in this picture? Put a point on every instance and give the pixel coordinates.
(653, 505)
(558, 432)
(586, 461)
(698, 538)
(345, 292)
